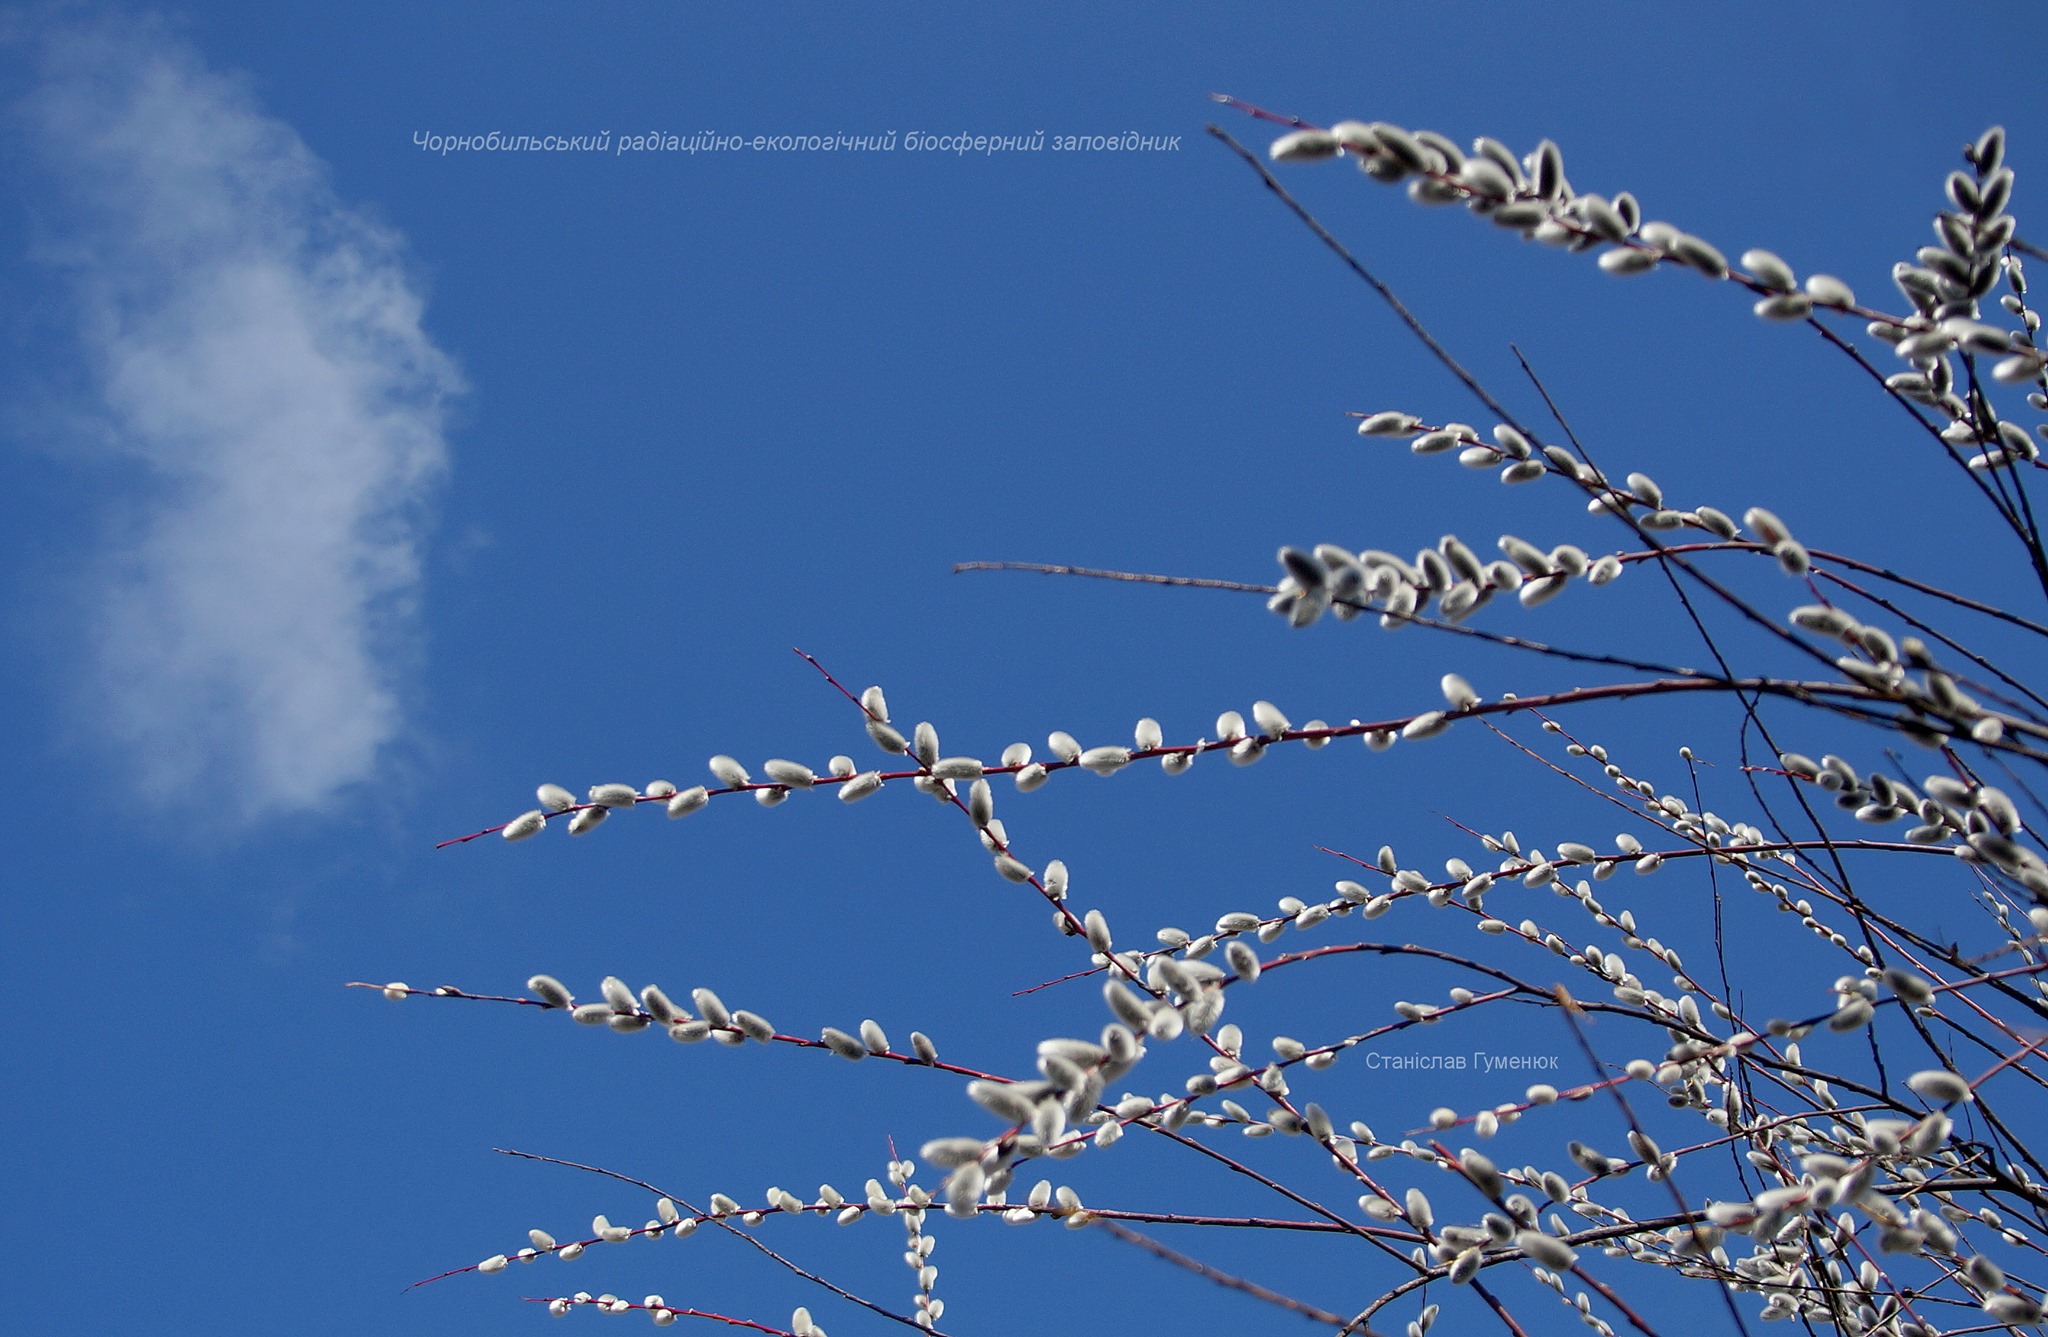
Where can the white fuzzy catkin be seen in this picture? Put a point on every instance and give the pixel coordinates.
(555, 798)
(1304, 146)
(1270, 719)
(793, 774)
(729, 772)
(1827, 290)
(711, 1007)
(526, 824)
(842, 1044)
(1426, 725)
(1107, 760)
(686, 801)
(1548, 1250)
(860, 786)
(1768, 270)
(659, 1005)
(1940, 1086)
(1628, 260)
(1766, 526)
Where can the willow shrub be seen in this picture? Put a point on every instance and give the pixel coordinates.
(1868, 1165)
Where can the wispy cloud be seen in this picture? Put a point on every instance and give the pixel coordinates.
(256, 352)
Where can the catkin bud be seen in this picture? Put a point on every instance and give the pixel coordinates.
(1483, 1173)
(1097, 928)
(550, 991)
(524, 825)
(1911, 988)
(659, 1005)
(1426, 725)
(1304, 146)
(793, 774)
(844, 1045)
(1766, 526)
(1827, 290)
(1106, 760)
(860, 786)
(1547, 1250)
(1391, 423)
(1940, 1086)
(711, 1008)
(1768, 270)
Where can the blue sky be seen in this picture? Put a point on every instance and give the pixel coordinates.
(353, 489)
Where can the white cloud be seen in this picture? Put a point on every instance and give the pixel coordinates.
(256, 350)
